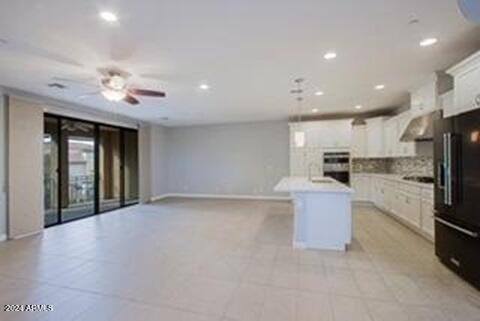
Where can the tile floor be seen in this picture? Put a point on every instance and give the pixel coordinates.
(188, 260)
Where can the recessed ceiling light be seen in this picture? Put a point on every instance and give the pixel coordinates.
(319, 93)
(204, 87)
(428, 42)
(315, 110)
(330, 55)
(108, 16)
(358, 107)
(380, 87)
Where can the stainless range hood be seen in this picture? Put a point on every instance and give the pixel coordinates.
(421, 128)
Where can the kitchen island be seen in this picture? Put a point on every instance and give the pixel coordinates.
(323, 212)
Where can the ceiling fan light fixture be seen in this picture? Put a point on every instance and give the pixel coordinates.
(117, 82)
(114, 95)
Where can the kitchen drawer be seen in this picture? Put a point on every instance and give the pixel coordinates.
(459, 252)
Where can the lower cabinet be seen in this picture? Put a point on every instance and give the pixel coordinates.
(428, 221)
(409, 203)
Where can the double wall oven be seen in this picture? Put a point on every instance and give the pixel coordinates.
(337, 166)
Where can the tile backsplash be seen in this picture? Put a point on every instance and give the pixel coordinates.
(421, 165)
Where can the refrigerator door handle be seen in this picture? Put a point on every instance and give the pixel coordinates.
(440, 175)
(446, 168)
(456, 227)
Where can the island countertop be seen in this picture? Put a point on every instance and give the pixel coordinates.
(295, 184)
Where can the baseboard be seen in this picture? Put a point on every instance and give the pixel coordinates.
(20, 236)
(3, 237)
(222, 196)
(159, 197)
(363, 203)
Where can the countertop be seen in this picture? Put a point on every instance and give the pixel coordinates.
(396, 178)
(302, 184)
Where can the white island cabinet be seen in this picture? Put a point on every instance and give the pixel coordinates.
(323, 212)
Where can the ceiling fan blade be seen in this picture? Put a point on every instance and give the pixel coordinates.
(131, 100)
(87, 95)
(91, 81)
(25, 48)
(145, 92)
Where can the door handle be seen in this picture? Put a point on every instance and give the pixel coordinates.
(456, 227)
(440, 177)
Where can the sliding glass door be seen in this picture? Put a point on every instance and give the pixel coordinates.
(130, 167)
(77, 170)
(50, 170)
(109, 168)
(89, 168)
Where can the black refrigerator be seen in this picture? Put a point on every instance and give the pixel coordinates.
(457, 194)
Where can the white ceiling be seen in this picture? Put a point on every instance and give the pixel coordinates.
(249, 51)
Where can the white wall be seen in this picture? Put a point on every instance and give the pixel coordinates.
(159, 161)
(234, 159)
(144, 164)
(3, 180)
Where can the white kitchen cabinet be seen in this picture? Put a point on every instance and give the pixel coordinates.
(375, 137)
(466, 85)
(300, 159)
(447, 103)
(409, 208)
(391, 137)
(361, 187)
(325, 134)
(424, 98)
(409, 203)
(358, 147)
(428, 223)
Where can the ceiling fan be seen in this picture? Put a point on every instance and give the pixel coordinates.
(114, 86)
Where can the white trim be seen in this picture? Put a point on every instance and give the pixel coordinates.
(299, 245)
(222, 196)
(159, 197)
(16, 237)
(3, 237)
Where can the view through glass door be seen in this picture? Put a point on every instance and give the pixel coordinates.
(50, 170)
(77, 170)
(89, 168)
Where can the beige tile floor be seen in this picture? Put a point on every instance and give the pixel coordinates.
(223, 260)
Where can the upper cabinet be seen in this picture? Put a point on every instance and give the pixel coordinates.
(325, 134)
(426, 98)
(359, 141)
(375, 137)
(466, 94)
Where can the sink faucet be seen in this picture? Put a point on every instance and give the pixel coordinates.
(312, 164)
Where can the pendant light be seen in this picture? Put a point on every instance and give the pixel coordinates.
(299, 134)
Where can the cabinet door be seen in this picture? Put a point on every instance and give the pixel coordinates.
(447, 104)
(359, 141)
(424, 99)
(391, 137)
(428, 222)
(467, 90)
(375, 137)
(411, 209)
